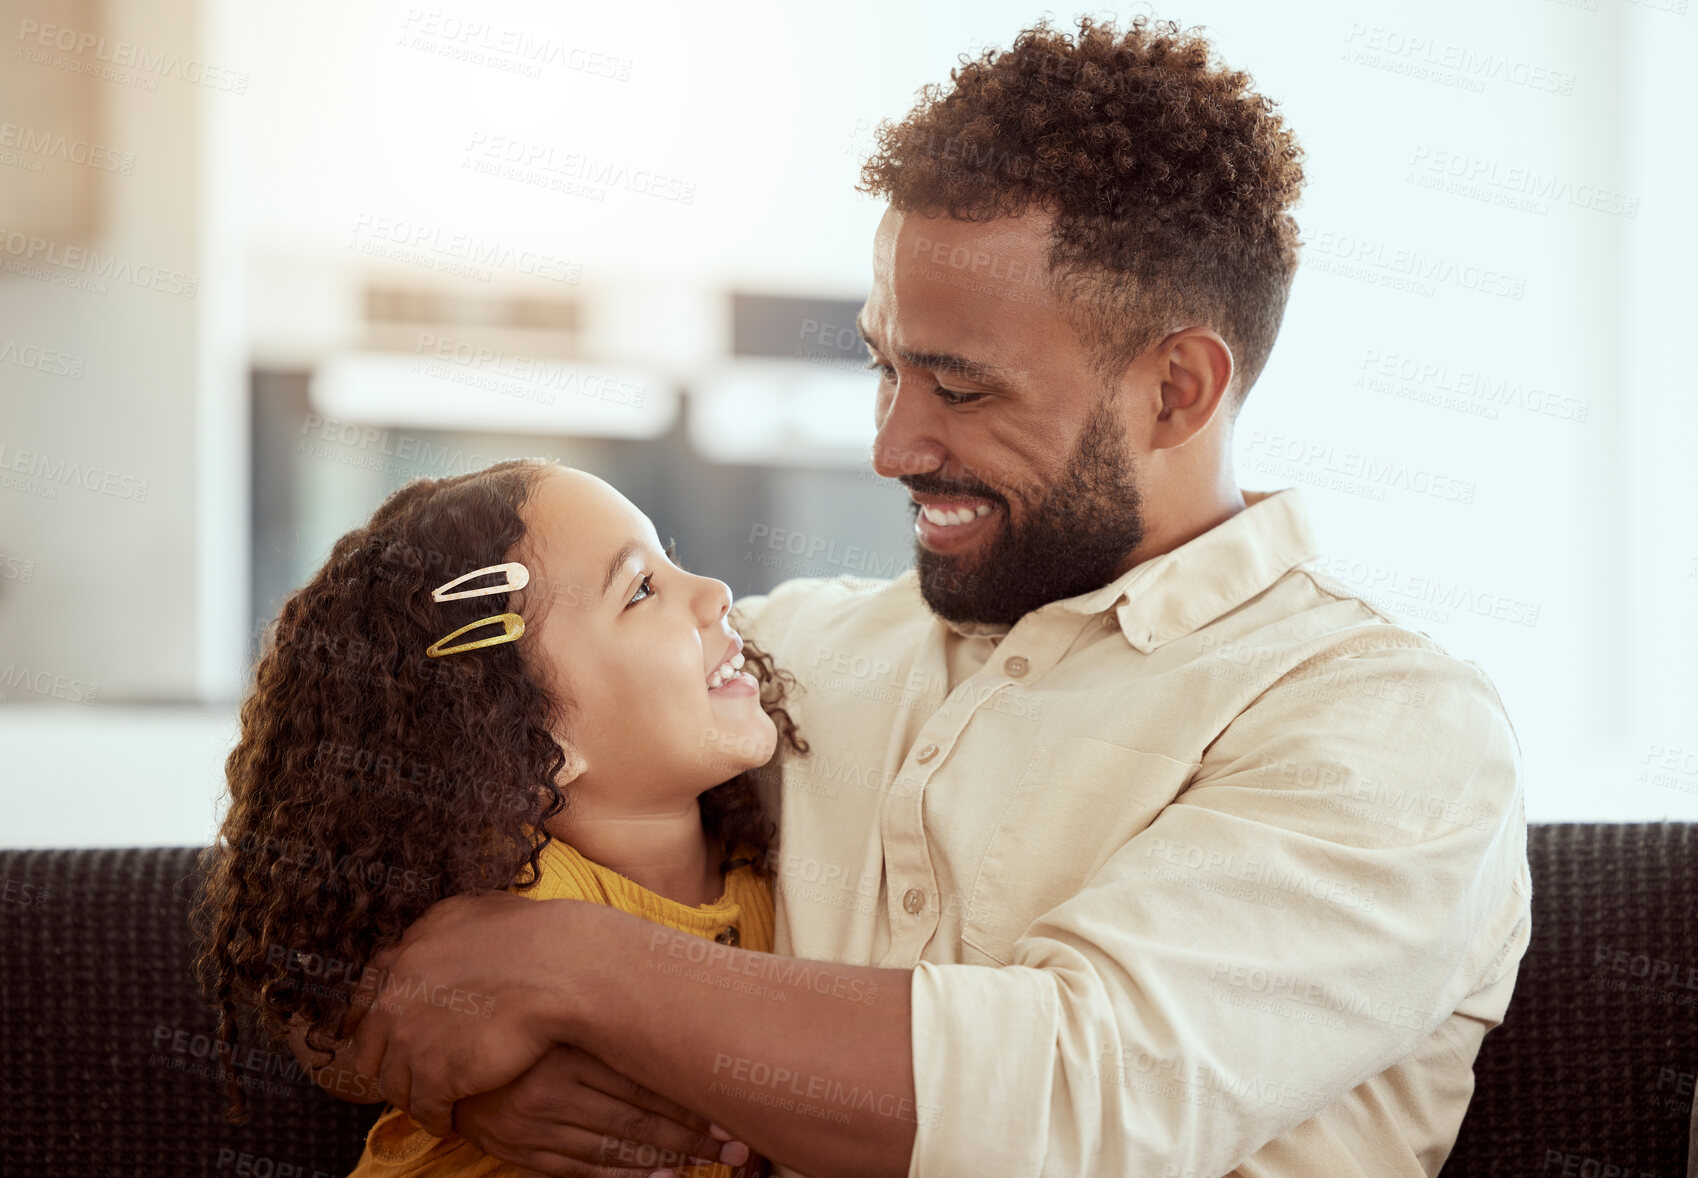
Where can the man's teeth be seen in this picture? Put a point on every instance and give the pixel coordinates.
(727, 670)
(961, 515)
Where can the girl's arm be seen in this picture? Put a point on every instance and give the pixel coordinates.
(571, 1107)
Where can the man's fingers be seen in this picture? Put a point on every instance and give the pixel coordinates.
(395, 1082)
(434, 1112)
(621, 1122)
(552, 1164)
(618, 1085)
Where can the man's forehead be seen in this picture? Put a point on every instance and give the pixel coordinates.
(943, 285)
(915, 238)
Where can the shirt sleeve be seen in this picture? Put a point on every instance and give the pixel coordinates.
(1353, 843)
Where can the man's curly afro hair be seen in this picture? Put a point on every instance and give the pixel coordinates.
(1168, 178)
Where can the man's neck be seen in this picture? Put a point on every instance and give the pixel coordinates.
(667, 853)
(1169, 527)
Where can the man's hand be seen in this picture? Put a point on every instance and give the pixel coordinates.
(571, 1109)
(335, 1076)
(461, 1005)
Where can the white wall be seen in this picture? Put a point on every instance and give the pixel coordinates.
(1558, 277)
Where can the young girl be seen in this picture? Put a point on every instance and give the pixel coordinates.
(502, 681)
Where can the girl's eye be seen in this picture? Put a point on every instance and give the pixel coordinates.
(643, 588)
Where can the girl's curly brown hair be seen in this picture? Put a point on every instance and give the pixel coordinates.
(1168, 178)
(371, 781)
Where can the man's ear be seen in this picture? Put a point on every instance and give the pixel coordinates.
(1194, 371)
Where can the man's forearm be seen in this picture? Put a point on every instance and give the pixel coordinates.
(808, 1062)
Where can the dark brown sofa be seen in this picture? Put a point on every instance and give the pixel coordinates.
(108, 1066)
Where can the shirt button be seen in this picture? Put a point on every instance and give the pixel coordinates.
(1016, 666)
(927, 753)
(913, 900)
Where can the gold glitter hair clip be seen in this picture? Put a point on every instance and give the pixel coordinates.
(516, 576)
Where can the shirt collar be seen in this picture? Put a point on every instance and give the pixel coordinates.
(1173, 594)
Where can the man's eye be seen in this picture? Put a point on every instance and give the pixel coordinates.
(643, 590)
(951, 397)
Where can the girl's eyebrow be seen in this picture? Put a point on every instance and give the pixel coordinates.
(619, 559)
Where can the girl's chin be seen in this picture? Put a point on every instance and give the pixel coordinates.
(732, 750)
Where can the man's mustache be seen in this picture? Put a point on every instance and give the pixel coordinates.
(938, 487)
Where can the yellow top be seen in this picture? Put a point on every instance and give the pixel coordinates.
(397, 1146)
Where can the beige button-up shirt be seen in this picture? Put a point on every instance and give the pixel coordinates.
(1217, 868)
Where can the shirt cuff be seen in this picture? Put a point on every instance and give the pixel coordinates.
(984, 1044)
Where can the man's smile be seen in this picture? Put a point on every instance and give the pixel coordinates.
(948, 523)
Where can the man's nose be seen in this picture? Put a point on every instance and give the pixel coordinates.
(904, 445)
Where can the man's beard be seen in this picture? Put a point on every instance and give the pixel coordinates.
(1070, 542)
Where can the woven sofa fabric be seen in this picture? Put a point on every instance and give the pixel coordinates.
(106, 1064)
(106, 1051)
(1592, 1070)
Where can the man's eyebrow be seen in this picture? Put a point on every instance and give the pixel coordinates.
(975, 370)
(619, 559)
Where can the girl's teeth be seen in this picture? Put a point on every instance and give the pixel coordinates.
(726, 672)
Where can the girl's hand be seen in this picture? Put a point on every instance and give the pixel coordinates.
(572, 1115)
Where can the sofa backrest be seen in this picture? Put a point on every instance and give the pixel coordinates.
(108, 1054)
(1591, 1072)
(107, 1066)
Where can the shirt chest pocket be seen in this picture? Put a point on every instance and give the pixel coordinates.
(1075, 806)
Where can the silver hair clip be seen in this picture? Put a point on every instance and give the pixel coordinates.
(517, 577)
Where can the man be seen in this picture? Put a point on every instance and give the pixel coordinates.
(1136, 846)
